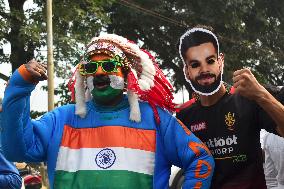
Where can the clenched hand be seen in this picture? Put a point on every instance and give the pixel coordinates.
(37, 70)
(246, 84)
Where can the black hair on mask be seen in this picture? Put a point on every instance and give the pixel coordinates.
(195, 39)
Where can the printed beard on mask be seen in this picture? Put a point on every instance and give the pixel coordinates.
(206, 89)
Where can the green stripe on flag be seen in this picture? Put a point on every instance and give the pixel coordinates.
(102, 179)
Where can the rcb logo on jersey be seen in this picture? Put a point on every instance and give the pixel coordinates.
(230, 120)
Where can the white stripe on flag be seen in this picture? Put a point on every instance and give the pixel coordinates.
(115, 158)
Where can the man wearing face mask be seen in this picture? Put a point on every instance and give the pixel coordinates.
(227, 119)
(108, 139)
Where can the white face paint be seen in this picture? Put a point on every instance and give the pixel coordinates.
(90, 83)
(116, 82)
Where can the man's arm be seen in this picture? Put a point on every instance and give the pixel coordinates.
(9, 175)
(19, 141)
(186, 151)
(246, 85)
(274, 109)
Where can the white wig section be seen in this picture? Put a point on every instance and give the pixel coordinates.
(135, 114)
(187, 33)
(146, 80)
(89, 88)
(80, 107)
(110, 37)
(88, 95)
(90, 84)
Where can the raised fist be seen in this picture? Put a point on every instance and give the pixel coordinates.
(246, 84)
(37, 70)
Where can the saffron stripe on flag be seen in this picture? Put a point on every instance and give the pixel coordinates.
(109, 136)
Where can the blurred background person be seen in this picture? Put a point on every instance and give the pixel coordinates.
(273, 148)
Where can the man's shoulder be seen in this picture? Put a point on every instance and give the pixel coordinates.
(67, 109)
(66, 106)
(229, 99)
(187, 106)
(146, 106)
(239, 100)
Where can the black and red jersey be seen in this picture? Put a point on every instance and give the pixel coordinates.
(230, 128)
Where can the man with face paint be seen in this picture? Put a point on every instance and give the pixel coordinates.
(227, 119)
(108, 139)
(106, 88)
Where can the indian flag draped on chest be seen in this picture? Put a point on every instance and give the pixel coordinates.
(105, 157)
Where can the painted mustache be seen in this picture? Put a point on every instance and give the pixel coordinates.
(204, 76)
(101, 80)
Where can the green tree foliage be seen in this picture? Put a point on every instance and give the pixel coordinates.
(251, 32)
(74, 22)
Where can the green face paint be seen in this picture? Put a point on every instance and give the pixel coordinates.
(106, 95)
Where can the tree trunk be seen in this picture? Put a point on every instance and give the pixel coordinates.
(4, 77)
(21, 51)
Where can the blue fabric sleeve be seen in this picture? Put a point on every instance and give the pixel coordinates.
(23, 139)
(185, 150)
(9, 175)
